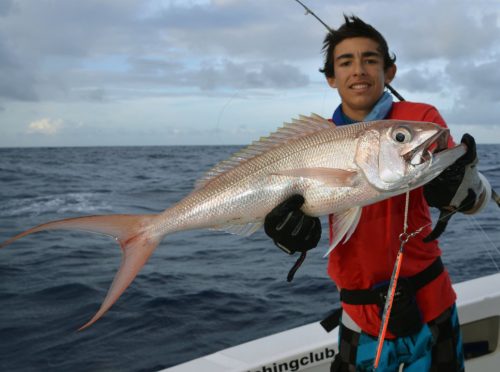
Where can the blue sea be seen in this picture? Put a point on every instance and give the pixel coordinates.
(200, 292)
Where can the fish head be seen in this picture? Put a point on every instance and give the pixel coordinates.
(396, 154)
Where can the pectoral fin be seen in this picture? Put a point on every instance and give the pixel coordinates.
(344, 225)
(330, 176)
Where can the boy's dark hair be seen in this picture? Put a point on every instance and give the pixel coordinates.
(353, 27)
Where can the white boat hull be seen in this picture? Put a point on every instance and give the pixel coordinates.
(309, 348)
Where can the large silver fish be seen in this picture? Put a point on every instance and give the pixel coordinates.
(337, 170)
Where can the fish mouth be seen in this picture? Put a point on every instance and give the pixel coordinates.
(424, 153)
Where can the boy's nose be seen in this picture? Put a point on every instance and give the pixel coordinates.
(359, 68)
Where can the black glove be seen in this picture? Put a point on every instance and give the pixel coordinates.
(452, 191)
(292, 230)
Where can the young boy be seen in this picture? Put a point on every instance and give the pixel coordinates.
(423, 331)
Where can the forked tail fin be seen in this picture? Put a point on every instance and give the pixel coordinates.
(135, 235)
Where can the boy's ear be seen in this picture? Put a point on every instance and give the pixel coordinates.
(332, 82)
(390, 73)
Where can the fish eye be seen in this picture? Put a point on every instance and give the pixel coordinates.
(401, 135)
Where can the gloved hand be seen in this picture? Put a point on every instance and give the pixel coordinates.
(457, 188)
(292, 230)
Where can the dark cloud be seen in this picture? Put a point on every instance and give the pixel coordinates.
(43, 42)
(16, 81)
(6, 6)
(244, 76)
(477, 80)
(420, 80)
(427, 30)
(251, 29)
(77, 29)
(94, 95)
(154, 75)
(477, 94)
(153, 66)
(474, 112)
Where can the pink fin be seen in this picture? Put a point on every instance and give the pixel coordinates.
(329, 176)
(133, 233)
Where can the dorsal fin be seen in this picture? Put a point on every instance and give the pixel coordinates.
(298, 128)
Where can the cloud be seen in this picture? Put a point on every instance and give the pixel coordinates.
(150, 77)
(477, 97)
(16, 80)
(249, 75)
(243, 29)
(477, 80)
(122, 49)
(427, 30)
(102, 58)
(6, 7)
(420, 80)
(45, 126)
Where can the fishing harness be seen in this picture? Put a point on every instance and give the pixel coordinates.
(396, 297)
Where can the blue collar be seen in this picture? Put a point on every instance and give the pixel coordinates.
(379, 111)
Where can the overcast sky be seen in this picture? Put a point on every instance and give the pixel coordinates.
(127, 72)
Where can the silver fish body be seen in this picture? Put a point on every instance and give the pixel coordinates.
(246, 193)
(337, 169)
(245, 188)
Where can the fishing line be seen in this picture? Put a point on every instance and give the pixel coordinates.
(491, 248)
(323, 104)
(442, 217)
(221, 112)
(407, 203)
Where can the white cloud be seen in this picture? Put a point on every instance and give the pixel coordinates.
(45, 126)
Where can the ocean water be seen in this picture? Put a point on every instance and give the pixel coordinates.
(201, 291)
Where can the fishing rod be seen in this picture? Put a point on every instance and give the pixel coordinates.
(309, 11)
(331, 30)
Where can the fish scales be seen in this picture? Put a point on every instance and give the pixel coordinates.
(220, 201)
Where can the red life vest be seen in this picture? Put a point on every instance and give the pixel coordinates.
(368, 258)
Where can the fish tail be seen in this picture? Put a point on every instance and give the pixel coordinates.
(135, 234)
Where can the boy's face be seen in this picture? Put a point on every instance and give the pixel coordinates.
(359, 75)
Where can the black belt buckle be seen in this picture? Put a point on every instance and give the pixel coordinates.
(405, 318)
(404, 291)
